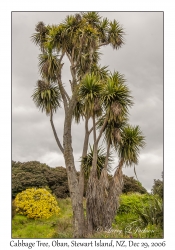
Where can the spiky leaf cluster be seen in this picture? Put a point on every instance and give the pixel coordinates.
(116, 97)
(87, 162)
(80, 37)
(46, 96)
(128, 148)
(40, 37)
(89, 92)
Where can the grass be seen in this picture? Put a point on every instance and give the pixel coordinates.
(126, 225)
(54, 227)
(23, 227)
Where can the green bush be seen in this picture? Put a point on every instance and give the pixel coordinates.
(152, 213)
(138, 213)
(35, 174)
(130, 200)
(157, 188)
(36, 203)
(132, 185)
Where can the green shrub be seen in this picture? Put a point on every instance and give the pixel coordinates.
(138, 213)
(36, 203)
(130, 200)
(151, 214)
(157, 188)
(35, 174)
(132, 185)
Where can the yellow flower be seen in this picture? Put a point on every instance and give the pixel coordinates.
(36, 203)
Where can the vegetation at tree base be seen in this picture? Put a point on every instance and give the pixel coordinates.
(127, 223)
(148, 207)
(35, 174)
(96, 94)
(151, 214)
(140, 215)
(36, 203)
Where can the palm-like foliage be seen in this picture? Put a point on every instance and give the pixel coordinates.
(115, 35)
(78, 111)
(92, 18)
(116, 96)
(151, 214)
(128, 148)
(103, 30)
(113, 129)
(101, 72)
(89, 94)
(40, 37)
(49, 65)
(101, 156)
(47, 96)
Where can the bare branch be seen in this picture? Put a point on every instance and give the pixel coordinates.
(102, 129)
(67, 96)
(92, 128)
(55, 133)
(73, 50)
(63, 93)
(61, 57)
(103, 44)
(69, 57)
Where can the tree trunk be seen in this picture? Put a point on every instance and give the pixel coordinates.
(85, 148)
(112, 201)
(75, 194)
(103, 190)
(94, 161)
(92, 212)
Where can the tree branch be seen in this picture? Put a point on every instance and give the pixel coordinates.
(67, 96)
(63, 93)
(55, 133)
(72, 70)
(103, 44)
(92, 128)
(102, 129)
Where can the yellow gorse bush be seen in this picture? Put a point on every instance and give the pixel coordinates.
(36, 203)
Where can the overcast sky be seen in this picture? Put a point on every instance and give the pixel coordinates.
(140, 60)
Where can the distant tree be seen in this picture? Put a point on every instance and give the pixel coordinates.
(35, 174)
(57, 181)
(132, 185)
(158, 187)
